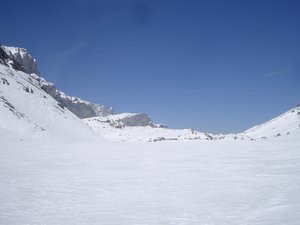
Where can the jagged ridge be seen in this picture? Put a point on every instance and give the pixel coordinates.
(20, 59)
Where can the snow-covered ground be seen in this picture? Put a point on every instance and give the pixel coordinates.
(165, 183)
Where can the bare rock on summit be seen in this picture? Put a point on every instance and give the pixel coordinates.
(130, 119)
(26, 61)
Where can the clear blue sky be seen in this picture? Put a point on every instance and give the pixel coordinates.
(217, 66)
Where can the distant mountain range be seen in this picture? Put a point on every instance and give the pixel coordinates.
(33, 107)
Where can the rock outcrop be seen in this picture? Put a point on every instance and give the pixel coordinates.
(21, 55)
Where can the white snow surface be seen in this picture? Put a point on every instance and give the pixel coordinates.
(163, 183)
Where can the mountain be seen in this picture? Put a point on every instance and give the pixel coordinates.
(21, 60)
(28, 111)
(22, 56)
(19, 73)
(284, 124)
(79, 107)
(31, 105)
(113, 129)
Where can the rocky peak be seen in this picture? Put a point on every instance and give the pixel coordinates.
(21, 55)
(20, 59)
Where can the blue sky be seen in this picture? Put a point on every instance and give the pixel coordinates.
(217, 66)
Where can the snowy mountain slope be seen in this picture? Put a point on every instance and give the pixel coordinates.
(83, 109)
(30, 112)
(15, 65)
(102, 120)
(284, 124)
(20, 59)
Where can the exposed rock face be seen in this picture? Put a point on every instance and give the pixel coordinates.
(3, 55)
(125, 120)
(130, 119)
(21, 55)
(139, 119)
(7, 58)
(81, 108)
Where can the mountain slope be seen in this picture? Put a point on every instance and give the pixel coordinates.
(28, 99)
(113, 128)
(21, 60)
(30, 104)
(284, 124)
(30, 112)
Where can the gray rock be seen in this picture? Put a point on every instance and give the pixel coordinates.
(81, 108)
(26, 61)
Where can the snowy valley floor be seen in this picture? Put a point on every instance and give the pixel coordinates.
(168, 183)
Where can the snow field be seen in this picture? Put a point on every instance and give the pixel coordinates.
(187, 182)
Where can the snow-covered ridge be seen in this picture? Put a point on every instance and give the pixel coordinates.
(284, 124)
(21, 60)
